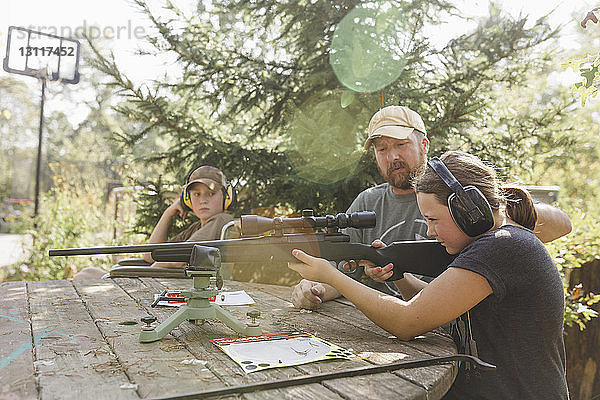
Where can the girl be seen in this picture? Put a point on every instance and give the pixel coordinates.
(503, 276)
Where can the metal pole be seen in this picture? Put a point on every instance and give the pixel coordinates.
(116, 216)
(39, 154)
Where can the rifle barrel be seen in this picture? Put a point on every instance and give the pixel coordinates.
(141, 248)
(425, 257)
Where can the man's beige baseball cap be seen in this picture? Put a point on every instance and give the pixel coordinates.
(396, 122)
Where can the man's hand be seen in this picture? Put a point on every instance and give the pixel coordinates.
(308, 294)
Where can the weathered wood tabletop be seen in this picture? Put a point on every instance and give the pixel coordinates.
(79, 340)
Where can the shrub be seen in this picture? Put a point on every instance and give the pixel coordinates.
(581, 246)
(70, 216)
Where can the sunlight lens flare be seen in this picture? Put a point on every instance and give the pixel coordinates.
(323, 140)
(369, 46)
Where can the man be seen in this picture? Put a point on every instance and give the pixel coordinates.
(400, 143)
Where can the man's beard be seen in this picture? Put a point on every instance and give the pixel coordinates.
(403, 179)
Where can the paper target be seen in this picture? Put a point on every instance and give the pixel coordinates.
(255, 353)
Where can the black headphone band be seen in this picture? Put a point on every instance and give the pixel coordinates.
(189, 174)
(444, 173)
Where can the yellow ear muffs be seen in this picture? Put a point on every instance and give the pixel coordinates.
(186, 200)
(229, 197)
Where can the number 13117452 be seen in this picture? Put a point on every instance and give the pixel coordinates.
(47, 51)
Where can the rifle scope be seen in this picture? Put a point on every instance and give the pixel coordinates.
(254, 224)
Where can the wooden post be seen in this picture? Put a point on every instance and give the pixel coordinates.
(583, 348)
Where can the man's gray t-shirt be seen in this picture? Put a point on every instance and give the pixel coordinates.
(398, 219)
(519, 327)
(398, 216)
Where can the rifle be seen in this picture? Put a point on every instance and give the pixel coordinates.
(424, 257)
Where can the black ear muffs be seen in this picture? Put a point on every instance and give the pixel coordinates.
(469, 208)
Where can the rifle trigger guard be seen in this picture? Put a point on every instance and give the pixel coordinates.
(355, 272)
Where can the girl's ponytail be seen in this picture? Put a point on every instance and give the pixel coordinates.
(519, 206)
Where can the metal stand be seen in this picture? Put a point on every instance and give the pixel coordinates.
(198, 308)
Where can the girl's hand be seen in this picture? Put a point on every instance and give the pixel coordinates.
(378, 274)
(312, 268)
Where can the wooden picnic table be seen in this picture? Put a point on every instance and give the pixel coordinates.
(79, 340)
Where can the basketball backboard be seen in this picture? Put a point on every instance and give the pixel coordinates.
(42, 55)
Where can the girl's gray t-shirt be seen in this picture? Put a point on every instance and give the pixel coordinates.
(519, 327)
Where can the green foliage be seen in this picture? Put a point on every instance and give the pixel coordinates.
(80, 129)
(576, 171)
(587, 67)
(92, 145)
(578, 306)
(260, 100)
(152, 199)
(15, 219)
(70, 216)
(581, 246)
(586, 63)
(18, 128)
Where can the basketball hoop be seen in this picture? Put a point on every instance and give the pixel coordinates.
(45, 57)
